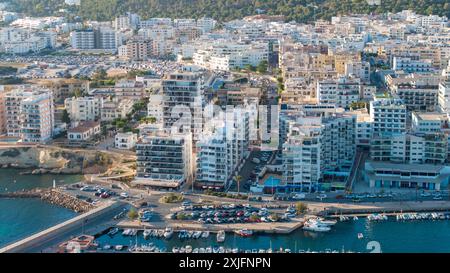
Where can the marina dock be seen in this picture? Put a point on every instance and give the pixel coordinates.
(279, 227)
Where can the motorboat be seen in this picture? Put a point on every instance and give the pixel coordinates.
(205, 234)
(113, 231)
(168, 233)
(147, 233)
(315, 226)
(175, 249)
(355, 218)
(220, 236)
(244, 232)
(188, 249)
(118, 247)
(197, 234)
(322, 221)
(360, 236)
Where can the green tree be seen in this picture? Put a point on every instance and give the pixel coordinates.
(262, 67)
(301, 207)
(65, 117)
(133, 214)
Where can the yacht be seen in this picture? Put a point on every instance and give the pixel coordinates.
(322, 221)
(220, 236)
(315, 226)
(168, 233)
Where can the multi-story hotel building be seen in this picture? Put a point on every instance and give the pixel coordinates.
(341, 92)
(164, 160)
(316, 147)
(182, 98)
(37, 118)
(221, 151)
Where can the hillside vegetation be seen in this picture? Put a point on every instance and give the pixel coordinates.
(224, 10)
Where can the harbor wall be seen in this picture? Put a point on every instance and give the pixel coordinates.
(52, 232)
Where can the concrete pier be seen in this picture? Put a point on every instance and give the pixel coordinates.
(50, 233)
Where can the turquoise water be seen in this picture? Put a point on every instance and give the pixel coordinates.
(393, 237)
(272, 182)
(20, 218)
(11, 180)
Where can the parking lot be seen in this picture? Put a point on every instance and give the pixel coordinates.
(230, 213)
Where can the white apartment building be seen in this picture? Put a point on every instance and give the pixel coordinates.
(37, 118)
(83, 39)
(417, 95)
(227, 55)
(125, 141)
(155, 107)
(412, 66)
(164, 160)
(83, 108)
(426, 122)
(221, 150)
(115, 108)
(129, 89)
(315, 148)
(388, 115)
(22, 41)
(206, 24)
(444, 97)
(101, 38)
(183, 93)
(13, 109)
(341, 92)
(430, 148)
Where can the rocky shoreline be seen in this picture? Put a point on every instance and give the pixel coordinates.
(54, 197)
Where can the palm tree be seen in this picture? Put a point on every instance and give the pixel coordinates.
(238, 179)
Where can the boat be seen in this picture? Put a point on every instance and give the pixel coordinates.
(168, 233)
(118, 247)
(197, 234)
(113, 231)
(147, 233)
(322, 221)
(315, 226)
(205, 234)
(126, 232)
(188, 249)
(360, 236)
(244, 232)
(220, 236)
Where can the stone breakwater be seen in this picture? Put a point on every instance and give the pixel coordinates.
(65, 200)
(55, 197)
